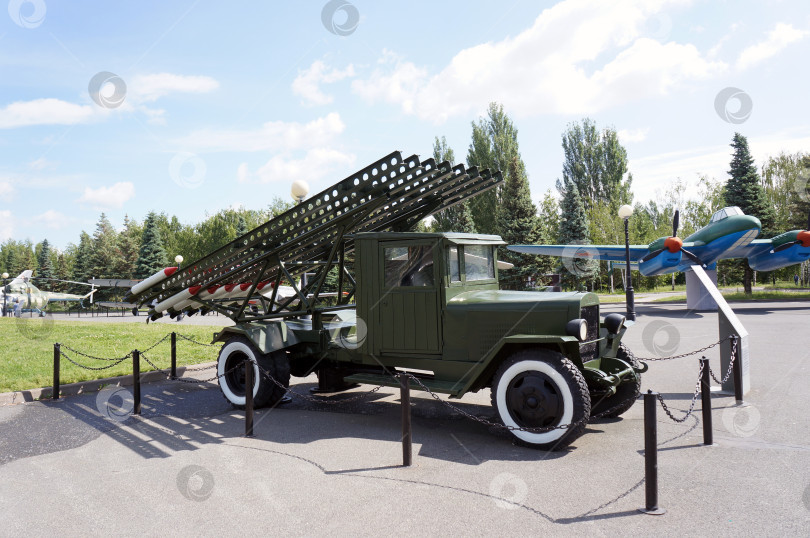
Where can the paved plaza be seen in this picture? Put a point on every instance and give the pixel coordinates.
(183, 467)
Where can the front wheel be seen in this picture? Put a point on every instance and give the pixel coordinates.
(542, 389)
(231, 371)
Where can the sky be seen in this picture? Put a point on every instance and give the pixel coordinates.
(190, 107)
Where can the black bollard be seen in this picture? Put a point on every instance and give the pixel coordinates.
(405, 400)
(736, 368)
(651, 456)
(706, 401)
(57, 356)
(248, 398)
(174, 355)
(136, 381)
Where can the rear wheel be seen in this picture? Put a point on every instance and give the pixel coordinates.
(541, 389)
(232, 373)
(626, 393)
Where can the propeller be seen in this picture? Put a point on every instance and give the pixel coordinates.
(802, 238)
(674, 243)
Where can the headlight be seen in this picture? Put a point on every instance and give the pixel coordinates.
(614, 323)
(577, 328)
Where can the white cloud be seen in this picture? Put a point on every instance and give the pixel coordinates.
(633, 135)
(780, 37)
(147, 88)
(39, 164)
(6, 189)
(272, 136)
(44, 112)
(108, 197)
(550, 67)
(6, 226)
(307, 83)
(51, 219)
(316, 164)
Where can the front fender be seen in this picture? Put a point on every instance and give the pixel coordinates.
(267, 337)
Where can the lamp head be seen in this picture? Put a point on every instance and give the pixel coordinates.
(5, 275)
(178, 259)
(625, 211)
(299, 190)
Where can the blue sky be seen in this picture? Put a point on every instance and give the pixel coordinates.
(227, 103)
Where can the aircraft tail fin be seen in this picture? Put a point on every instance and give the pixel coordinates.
(24, 277)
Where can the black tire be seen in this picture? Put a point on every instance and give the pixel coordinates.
(626, 393)
(232, 380)
(540, 388)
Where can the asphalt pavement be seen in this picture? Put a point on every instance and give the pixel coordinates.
(83, 465)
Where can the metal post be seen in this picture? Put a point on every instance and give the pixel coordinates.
(248, 398)
(136, 381)
(57, 356)
(174, 354)
(736, 345)
(706, 401)
(629, 294)
(651, 456)
(405, 400)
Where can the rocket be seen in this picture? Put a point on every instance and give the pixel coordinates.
(177, 298)
(147, 283)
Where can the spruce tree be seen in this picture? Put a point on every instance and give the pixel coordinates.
(129, 241)
(574, 231)
(44, 264)
(83, 266)
(106, 255)
(152, 256)
(518, 223)
(744, 190)
(241, 226)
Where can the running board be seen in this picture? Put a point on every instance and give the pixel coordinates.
(443, 387)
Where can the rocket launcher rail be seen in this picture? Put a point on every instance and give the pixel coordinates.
(391, 194)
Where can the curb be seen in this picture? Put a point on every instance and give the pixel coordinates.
(82, 387)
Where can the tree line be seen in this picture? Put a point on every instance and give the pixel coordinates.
(594, 182)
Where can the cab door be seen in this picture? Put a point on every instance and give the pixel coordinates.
(408, 312)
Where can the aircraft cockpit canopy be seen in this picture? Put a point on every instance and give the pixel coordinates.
(726, 212)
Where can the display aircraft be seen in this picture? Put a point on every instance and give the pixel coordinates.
(32, 298)
(729, 234)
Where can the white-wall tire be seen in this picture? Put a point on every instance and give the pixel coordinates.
(541, 389)
(233, 352)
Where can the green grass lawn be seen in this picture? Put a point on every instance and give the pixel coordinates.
(26, 349)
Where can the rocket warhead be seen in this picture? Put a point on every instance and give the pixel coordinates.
(147, 283)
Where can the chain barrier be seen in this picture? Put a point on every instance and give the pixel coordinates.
(691, 406)
(316, 399)
(77, 352)
(156, 344)
(682, 355)
(730, 364)
(118, 361)
(184, 337)
(193, 381)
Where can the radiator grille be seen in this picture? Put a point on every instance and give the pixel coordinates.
(591, 315)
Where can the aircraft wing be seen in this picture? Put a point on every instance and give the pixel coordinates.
(62, 296)
(598, 252)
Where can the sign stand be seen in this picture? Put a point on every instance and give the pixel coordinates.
(728, 324)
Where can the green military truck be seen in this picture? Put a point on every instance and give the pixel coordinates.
(424, 303)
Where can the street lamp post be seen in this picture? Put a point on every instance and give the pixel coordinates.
(5, 276)
(625, 212)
